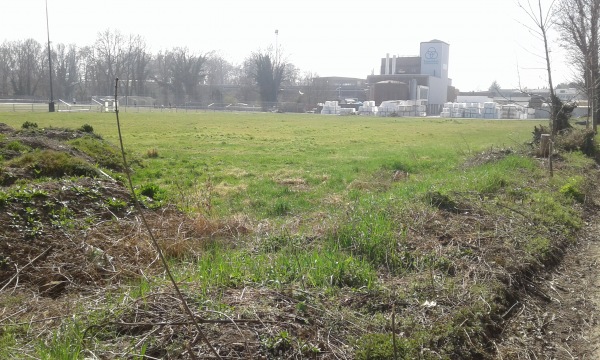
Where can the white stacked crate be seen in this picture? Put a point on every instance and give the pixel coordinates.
(447, 110)
(530, 113)
(368, 108)
(330, 108)
(491, 110)
(406, 108)
(472, 110)
(511, 111)
(458, 110)
(388, 108)
(347, 111)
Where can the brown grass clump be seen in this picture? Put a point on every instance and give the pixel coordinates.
(152, 153)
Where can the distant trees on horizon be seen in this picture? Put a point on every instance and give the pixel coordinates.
(174, 76)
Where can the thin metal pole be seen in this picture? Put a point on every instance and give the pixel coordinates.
(51, 104)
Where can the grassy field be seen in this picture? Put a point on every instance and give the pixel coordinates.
(351, 221)
(248, 163)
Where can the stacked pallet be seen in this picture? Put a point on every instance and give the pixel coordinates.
(511, 111)
(402, 108)
(389, 108)
(347, 111)
(487, 110)
(447, 110)
(331, 108)
(472, 110)
(491, 110)
(368, 108)
(530, 113)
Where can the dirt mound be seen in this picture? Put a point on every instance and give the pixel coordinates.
(66, 224)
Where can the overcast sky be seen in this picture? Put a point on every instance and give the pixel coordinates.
(326, 37)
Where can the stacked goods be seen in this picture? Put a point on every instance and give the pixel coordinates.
(368, 108)
(389, 108)
(347, 111)
(458, 110)
(491, 110)
(331, 108)
(402, 108)
(511, 111)
(446, 110)
(487, 110)
(472, 110)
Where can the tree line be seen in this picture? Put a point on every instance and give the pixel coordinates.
(180, 76)
(176, 76)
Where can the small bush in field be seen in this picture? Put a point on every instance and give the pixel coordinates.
(578, 140)
(152, 153)
(29, 125)
(87, 128)
(152, 191)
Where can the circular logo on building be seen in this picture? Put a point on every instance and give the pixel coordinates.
(431, 54)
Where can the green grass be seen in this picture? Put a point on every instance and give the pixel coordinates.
(250, 159)
(328, 216)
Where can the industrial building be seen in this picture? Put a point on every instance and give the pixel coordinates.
(421, 80)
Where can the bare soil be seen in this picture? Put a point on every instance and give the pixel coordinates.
(557, 316)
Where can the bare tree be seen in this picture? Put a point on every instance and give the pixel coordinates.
(26, 66)
(543, 21)
(66, 68)
(5, 68)
(579, 23)
(109, 54)
(219, 71)
(161, 73)
(135, 66)
(88, 84)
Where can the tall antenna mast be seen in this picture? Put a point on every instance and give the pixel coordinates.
(51, 103)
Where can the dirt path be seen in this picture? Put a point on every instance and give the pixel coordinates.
(594, 260)
(559, 317)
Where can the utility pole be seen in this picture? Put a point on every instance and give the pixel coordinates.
(51, 103)
(276, 48)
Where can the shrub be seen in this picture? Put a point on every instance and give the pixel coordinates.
(87, 128)
(577, 140)
(29, 125)
(573, 189)
(152, 153)
(17, 146)
(116, 204)
(441, 201)
(570, 139)
(152, 191)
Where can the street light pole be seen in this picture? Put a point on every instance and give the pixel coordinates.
(276, 49)
(51, 103)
